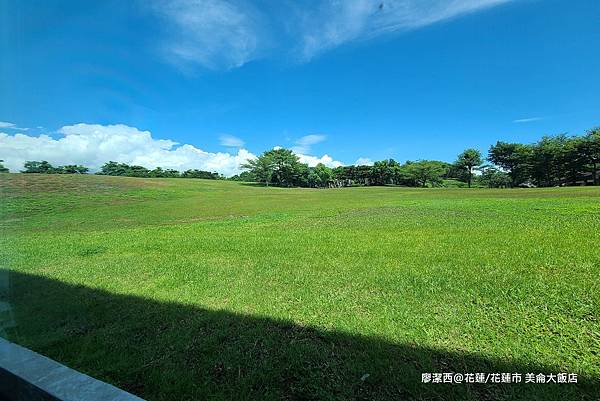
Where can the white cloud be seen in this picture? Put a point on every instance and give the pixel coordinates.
(215, 34)
(231, 141)
(311, 139)
(528, 120)
(227, 34)
(363, 161)
(304, 144)
(338, 22)
(93, 145)
(7, 125)
(312, 161)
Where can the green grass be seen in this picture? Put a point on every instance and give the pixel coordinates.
(191, 289)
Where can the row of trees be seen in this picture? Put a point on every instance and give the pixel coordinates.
(553, 160)
(115, 169)
(126, 170)
(43, 167)
(282, 167)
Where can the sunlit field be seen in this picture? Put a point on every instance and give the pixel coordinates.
(184, 289)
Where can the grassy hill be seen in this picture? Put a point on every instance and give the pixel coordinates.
(183, 289)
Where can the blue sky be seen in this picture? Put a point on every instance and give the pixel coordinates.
(358, 79)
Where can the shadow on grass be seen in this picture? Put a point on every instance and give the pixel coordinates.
(252, 184)
(169, 351)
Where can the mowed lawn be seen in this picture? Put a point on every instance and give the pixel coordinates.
(182, 289)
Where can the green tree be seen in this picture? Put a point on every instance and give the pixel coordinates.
(572, 160)
(320, 176)
(547, 160)
(244, 176)
(138, 171)
(349, 175)
(468, 160)
(286, 166)
(73, 169)
(514, 158)
(3, 169)
(456, 172)
(114, 168)
(261, 168)
(194, 173)
(280, 167)
(171, 173)
(42, 167)
(422, 172)
(384, 172)
(160, 173)
(157, 172)
(491, 177)
(590, 153)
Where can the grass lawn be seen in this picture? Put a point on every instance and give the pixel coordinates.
(182, 289)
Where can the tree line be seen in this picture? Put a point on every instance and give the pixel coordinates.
(553, 160)
(557, 160)
(43, 167)
(126, 170)
(281, 167)
(115, 169)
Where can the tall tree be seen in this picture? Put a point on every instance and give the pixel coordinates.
(3, 169)
(468, 160)
(514, 158)
(384, 172)
(573, 163)
(590, 152)
(547, 160)
(286, 166)
(261, 168)
(319, 176)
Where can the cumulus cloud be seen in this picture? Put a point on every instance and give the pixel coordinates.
(304, 144)
(215, 34)
(363, 161)
(312, 161)
(93, 145)
(231, 141)
(225, 34)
